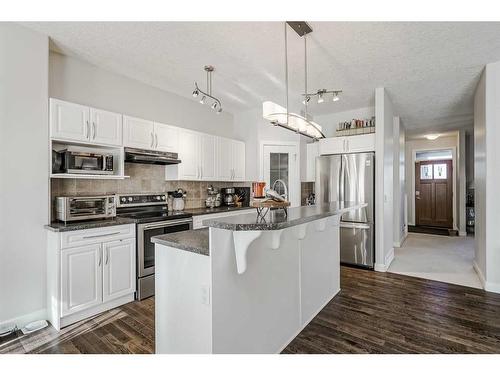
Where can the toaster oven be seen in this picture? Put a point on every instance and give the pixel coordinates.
(85, 208)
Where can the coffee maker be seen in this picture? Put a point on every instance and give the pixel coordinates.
(228, 196)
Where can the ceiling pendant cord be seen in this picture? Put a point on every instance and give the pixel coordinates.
(305, 75)
(286, 73)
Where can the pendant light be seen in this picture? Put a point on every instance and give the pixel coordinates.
(280, 116)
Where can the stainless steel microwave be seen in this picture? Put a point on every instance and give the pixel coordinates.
(85, 208)
(67, 161)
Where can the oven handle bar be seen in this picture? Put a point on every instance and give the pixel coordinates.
(169, 223)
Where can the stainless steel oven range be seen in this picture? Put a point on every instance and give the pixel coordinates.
(150, 213)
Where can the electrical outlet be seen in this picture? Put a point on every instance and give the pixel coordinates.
(205, 294)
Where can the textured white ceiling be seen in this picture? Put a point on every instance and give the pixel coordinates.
(429, 69)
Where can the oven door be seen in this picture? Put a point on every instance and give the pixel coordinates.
(146, 249)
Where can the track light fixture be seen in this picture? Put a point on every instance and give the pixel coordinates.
(321, 94)
(216, 106)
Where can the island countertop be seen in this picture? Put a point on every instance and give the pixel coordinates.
(276, 219)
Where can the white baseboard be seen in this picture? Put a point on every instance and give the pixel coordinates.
(462, 234)
(401, 241)
(479, 273)
(21, 321)
(387, 262)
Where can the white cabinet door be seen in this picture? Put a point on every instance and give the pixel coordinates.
(189, 168)
(208, 157)
(119, 268)
(106, 127)
(166, 137)
(312, 153)
(81, 278)
(69, 121)
(238, 157)
(138, 133)
(332, 145)
(360, 143)
(224, 159)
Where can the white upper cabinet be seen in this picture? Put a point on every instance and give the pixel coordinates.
(119, 268)
(208, 157)
(224, 159)
(166, 137)
(189, 154)
(312, 153)
(106, 127)
(361, 143)
(69, 121)
(138, 133)
(349, 144)
(238, 158)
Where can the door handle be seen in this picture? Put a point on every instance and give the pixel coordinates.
(156, 140)
(107, 255)
(87, 129)
(100, 256)
(93, 129)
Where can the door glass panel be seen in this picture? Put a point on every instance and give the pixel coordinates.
(278, 169)
(426, 172)
(440, 172)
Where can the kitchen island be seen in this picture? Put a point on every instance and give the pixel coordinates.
(246, 284)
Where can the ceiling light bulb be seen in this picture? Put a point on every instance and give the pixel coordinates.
(196, 93)
(306, 100)
(219, 110)
(336, 97)
(432, 137)
(214, 106)
(202, 100)
(320, 98)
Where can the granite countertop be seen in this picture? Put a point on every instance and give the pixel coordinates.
(59, 226)
(195, 241)
(215, 210)
(276, 219)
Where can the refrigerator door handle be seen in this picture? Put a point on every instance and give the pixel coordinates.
(345, 224)
(341, 179)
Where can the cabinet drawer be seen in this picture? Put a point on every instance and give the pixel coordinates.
(96, 235)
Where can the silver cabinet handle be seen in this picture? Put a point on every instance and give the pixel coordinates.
(100, 256)
(93, 129)
(152, 140)
(101, 235)
(107, 255)
(87, 135)
(201, 171)
(156, 140)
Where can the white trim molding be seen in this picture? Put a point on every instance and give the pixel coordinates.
(388, 260)
(487, 285)
(22, 320)
(479, 273)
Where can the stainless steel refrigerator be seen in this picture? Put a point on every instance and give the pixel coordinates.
(350, 177)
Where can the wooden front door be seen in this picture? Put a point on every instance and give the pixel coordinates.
(434, 193)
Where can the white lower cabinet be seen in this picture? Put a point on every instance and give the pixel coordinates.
(119, 268)
(92, 273)
(81, 278)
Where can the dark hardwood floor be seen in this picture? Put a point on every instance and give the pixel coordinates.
(374, 313)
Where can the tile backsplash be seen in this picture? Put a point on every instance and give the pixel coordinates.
(144, 178)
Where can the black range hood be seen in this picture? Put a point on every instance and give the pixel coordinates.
(135, 155)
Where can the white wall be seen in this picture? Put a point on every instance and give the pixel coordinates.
(384, 145)
(80, 82)
(330, 122)
(487, 176)
(461, 183)
(399, 189)
(23, 173)
(449, 142)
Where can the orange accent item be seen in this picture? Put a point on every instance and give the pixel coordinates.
(258, 189)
